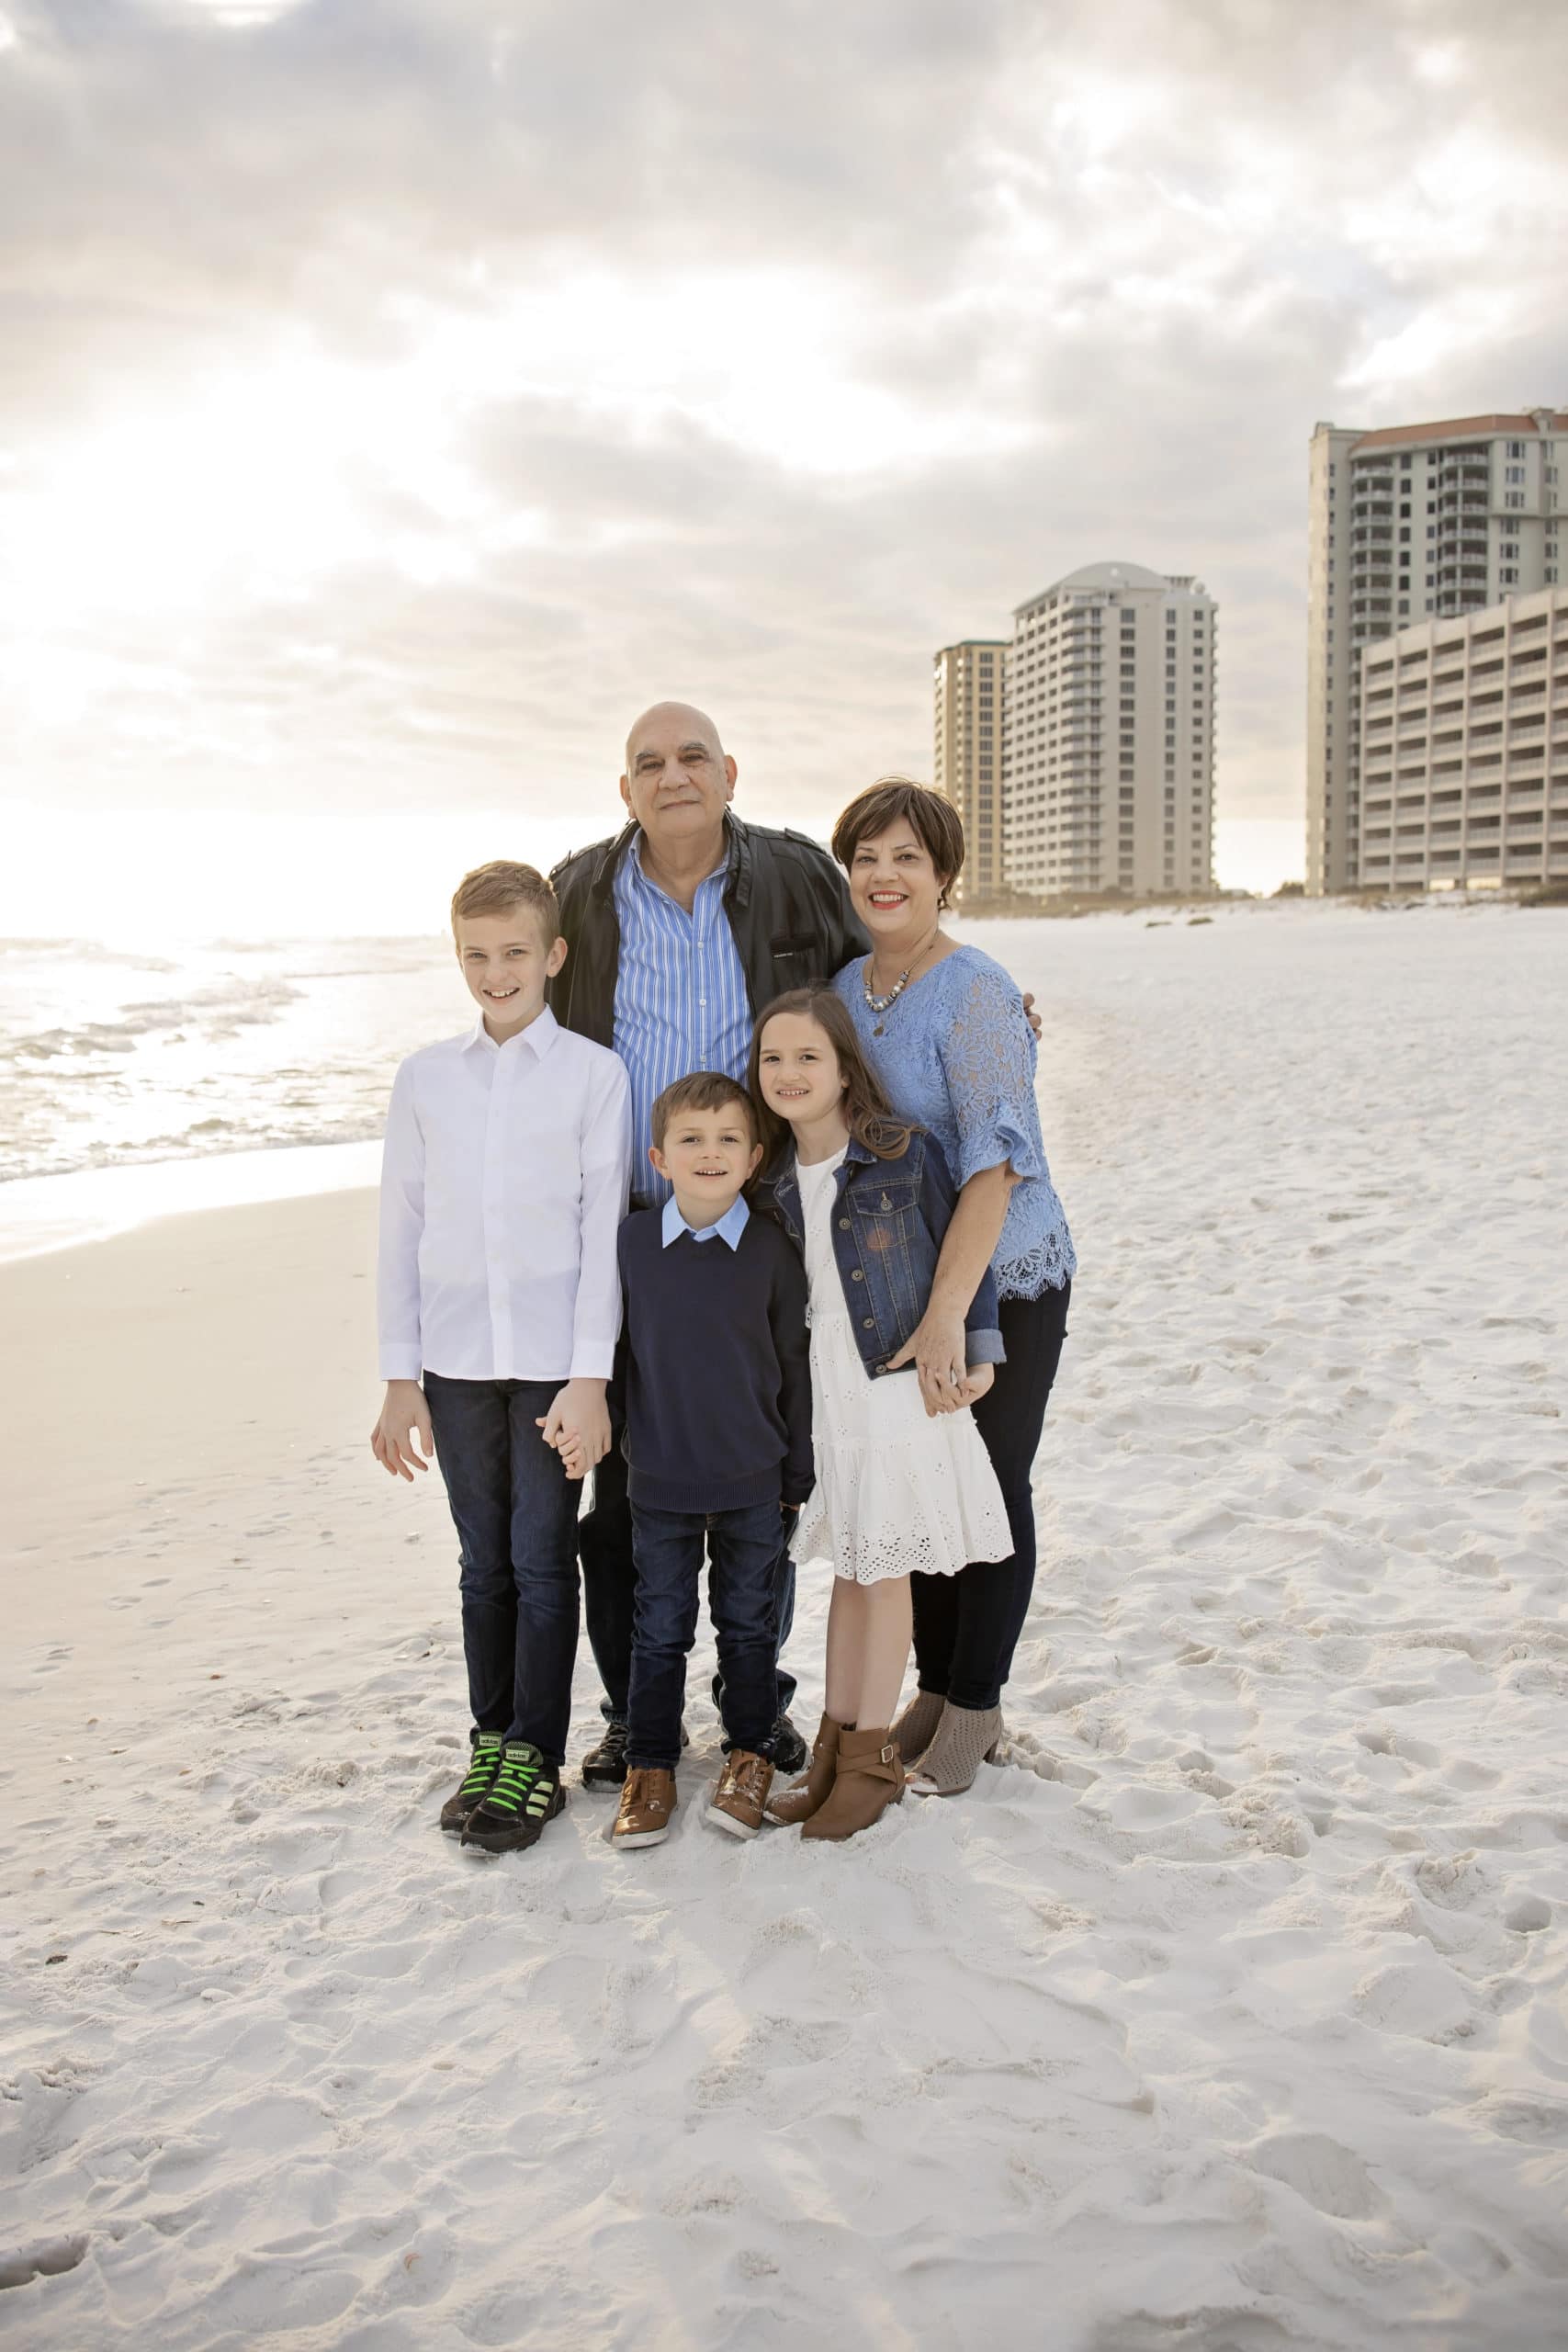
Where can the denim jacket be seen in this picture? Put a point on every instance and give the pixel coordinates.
(889, 1219)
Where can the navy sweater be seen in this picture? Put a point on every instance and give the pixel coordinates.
(718, 1372)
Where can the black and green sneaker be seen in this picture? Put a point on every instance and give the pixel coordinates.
(525, 1794)
(477, 1783)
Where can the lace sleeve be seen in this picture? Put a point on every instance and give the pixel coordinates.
(986, 1052)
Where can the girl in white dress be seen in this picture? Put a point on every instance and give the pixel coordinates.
(903, 1480)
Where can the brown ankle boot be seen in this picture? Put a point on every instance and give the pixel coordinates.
(868, 1778)
(801, 1799)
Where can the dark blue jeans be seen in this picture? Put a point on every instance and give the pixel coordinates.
(515, 1512)
(609, 1584)
(742, 1551)
(966, 1626)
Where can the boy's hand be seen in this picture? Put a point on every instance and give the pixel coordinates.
(577, 1426)
(976, 1380)
(404, 1414)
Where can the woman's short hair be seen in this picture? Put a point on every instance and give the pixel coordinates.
(930, 814)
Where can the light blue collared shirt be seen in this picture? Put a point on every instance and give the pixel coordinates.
(729, 1227)
(681, 1000)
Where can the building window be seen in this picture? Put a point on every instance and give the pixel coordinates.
(1513, 498)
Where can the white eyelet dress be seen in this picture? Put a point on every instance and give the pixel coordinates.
(895, 1490)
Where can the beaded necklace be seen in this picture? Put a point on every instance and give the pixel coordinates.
(880, 1004)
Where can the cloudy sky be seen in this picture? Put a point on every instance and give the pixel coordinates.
(396, 394)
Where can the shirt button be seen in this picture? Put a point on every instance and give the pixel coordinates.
(869, 1324)
(844, 1224)
(857, 1276)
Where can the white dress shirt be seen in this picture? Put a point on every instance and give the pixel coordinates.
(503, 1182)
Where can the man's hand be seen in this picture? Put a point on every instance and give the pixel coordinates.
(1034, 1021)
(404, 1414)
(577, 1426)
(936, 1346)
(978, 1379)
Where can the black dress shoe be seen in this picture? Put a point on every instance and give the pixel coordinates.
(790, 1752)
(605, 1767)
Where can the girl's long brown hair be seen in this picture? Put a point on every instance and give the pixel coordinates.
(868, 1115)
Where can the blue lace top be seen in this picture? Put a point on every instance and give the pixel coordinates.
(957, 1053)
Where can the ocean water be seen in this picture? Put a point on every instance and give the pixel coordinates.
(114, 1058)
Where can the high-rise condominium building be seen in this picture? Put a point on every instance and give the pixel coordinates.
(970, 692)
(1109, 741)
(1418, 521)
(1464, 749)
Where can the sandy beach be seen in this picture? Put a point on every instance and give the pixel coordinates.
(1230, 2012)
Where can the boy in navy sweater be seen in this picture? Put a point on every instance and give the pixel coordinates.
(718, 1446)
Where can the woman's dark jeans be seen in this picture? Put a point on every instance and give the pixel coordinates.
(515, 1512)
(966, 1626)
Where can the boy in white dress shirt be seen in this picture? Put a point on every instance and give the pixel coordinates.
(503, 1184)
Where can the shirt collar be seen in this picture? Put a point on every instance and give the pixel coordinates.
(729, 1227)
(539, 1036)
(640, 881)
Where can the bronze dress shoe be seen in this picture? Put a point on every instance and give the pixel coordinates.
(741, 1792)
(648, 1800)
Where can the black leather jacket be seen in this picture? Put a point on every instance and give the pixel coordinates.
(788, 907)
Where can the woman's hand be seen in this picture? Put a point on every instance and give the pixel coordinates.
(936, 1346)
(976, 1380)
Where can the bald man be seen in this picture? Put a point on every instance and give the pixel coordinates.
(679, 931)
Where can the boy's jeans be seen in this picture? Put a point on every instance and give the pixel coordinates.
(515, 1512)
(609, 1583)
(742, 1551)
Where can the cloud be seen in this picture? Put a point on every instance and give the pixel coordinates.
(400, 393)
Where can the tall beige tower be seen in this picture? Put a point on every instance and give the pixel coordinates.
(1413, 522)
(1110, 781)
(969, 687)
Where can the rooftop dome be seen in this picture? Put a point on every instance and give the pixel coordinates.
(1114, 575)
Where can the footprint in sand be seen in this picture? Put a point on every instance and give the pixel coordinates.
(45, 2258)
(1526, 2119)
(1328, 2176)
(1528, 1916)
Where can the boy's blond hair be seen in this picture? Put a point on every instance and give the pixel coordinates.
(494, 888)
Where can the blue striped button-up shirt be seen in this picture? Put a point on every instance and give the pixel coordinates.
(681, 1000)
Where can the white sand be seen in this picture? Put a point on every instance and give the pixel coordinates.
(1236, 2019)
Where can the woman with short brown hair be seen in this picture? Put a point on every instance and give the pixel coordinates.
(945, 1030)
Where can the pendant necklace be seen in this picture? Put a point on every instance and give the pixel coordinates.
(881, 1004)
